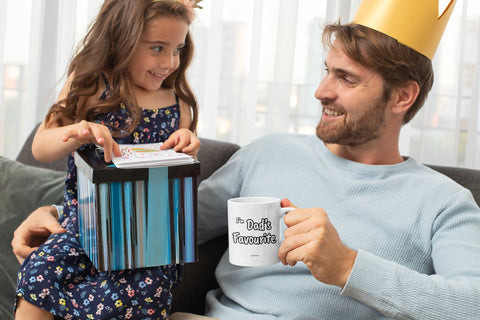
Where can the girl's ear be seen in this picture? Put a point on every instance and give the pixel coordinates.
(405, 96)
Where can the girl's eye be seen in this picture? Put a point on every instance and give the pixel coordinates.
(157, 48)
(178, 51)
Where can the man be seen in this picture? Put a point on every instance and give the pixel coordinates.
(384, 237)
(391, 239)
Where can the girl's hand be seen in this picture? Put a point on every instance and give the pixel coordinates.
(90, 132)
(183, 140)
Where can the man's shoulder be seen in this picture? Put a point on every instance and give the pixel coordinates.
(433, 178)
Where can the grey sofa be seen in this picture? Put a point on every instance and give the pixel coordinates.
(26, 184)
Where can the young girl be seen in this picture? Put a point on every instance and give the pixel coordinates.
(126, 84)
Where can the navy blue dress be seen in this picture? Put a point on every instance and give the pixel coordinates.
(60, 278)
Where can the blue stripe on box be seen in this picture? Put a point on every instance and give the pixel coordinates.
(141, 210)
(129, 223)
(81, 209)
(181, 215)
(116, 207)
(92, 225)
(176, 215)
(189, 221)
(106, 240)
(158, 219)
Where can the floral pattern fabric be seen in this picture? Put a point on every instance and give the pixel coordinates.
(60, 278)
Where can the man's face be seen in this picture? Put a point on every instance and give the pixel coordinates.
(353, 102)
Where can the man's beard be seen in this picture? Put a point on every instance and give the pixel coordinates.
(357, 131)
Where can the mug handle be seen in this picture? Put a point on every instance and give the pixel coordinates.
(285, 210)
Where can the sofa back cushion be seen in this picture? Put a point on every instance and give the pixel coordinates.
(23, 189)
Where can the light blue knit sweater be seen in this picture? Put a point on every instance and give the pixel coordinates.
(417, 234)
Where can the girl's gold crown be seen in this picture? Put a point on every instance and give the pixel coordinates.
(418, 24)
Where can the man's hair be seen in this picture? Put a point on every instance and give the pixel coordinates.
(395, 62)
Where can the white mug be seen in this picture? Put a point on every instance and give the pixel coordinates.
(254, 230)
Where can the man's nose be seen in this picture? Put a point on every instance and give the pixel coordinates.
(326, 89)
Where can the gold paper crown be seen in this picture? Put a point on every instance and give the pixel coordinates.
(417, 24)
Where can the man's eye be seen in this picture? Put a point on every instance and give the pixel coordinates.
(347, 81)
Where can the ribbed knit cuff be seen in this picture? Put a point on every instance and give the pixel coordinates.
(368, 277)
(59, 210)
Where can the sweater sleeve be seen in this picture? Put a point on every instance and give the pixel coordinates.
(452, 292)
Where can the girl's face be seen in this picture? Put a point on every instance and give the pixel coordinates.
(157, 54)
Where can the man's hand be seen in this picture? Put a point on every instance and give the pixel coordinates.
(183, 140)
(312, 239)
(34, 230)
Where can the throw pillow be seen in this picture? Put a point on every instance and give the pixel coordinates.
(23, 188)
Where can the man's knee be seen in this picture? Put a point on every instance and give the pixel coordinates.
(188, 316)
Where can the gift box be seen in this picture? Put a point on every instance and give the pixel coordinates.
(134, 218)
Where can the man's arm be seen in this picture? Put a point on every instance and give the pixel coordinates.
(452, 291)
(213, 194)
(396, 291)
(34, 230)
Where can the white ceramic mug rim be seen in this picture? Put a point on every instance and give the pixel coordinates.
(254, 200)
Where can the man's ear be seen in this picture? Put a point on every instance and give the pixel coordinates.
(405, 96)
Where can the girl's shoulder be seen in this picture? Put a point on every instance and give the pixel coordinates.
(104, 89)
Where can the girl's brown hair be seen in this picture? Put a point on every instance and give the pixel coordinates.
(107, 48)
(395, 62)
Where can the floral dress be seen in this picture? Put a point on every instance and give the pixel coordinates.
(60, 278)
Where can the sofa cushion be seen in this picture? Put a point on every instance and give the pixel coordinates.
(25, 156)
(23, 189)
(213, 154)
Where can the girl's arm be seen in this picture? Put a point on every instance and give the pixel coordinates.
(183, 140)
(52, 142)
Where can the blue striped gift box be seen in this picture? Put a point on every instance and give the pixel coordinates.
(134, 218)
